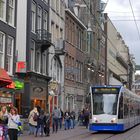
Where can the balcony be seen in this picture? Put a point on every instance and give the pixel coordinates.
(43, 38)
(122, 61)
(60, 47)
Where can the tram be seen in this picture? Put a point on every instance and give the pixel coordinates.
(113, 108)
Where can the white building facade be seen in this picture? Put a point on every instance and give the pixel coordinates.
(56, 53)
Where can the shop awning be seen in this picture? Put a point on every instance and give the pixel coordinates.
(4, 78)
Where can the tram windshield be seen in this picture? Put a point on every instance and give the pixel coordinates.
(105, 103)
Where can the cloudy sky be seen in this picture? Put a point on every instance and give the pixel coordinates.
(121, 15)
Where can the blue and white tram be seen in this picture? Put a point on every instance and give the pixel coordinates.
(113, 108)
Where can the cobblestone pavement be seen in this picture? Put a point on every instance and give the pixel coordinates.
(60, 135)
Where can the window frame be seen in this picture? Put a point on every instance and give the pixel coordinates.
(45, 19)
(38, 62)
(32, 55)
(12, 15)
(9, 67)
(4, 11)
(33, 14)
(2, 52)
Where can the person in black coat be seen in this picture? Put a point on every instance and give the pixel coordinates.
(40, 122)
(47, 124)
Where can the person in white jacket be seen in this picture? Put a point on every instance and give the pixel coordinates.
(31, 121)
(13, 120)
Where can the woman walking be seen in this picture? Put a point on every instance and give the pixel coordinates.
(32, 120)
(4, 121)
(13, 120)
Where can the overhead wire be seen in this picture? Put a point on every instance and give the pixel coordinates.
(105, 36)
(134, 18)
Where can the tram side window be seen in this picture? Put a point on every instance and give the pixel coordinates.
(126, 104)
(120, 115)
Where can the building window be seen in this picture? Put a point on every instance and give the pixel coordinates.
(9, 59)
(3, 9)
(61, 33)
(39, 17)
(52, 31)
(33, 55)
(38, 60)
(53, 4)
(61, 8)
(44, 63)
(46, 1)
(2, 48)
(57, 32)
(45, 18)
(33, 14)
(57, 6)
(11, 11)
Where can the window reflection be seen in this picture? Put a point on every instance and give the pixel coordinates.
(105, 104)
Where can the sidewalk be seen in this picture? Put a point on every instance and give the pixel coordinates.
(60, 135)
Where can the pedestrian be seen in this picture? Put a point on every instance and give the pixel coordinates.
(32, 120)
(13, 121)
(86, 117)
(60, 118)
(67, 120)
(47, 124)
(81, 118)
(55, 118)
(4, 121)
(40, 123)
(72, 119)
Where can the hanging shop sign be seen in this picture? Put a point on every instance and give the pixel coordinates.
(54, 88)
(16, 85)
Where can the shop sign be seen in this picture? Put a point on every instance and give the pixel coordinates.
(21, 67)
(19, 85)
(5, 100)
(11, 86)
(16, 85)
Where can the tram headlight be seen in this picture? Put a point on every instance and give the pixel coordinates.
(113, 120)
(95, 119)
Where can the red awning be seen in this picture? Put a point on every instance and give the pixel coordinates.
(4, 78)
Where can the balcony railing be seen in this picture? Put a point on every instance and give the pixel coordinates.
(43, 36)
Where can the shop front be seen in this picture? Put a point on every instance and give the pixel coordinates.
(35, 92)
(6, 96)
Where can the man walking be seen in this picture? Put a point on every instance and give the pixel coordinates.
(55, 118)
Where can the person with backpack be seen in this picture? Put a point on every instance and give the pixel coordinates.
(55, 117)
(67, 120)
(32, 120)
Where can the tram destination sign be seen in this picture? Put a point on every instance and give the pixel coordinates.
(106, 90)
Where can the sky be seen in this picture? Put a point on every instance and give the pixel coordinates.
(120, 12)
